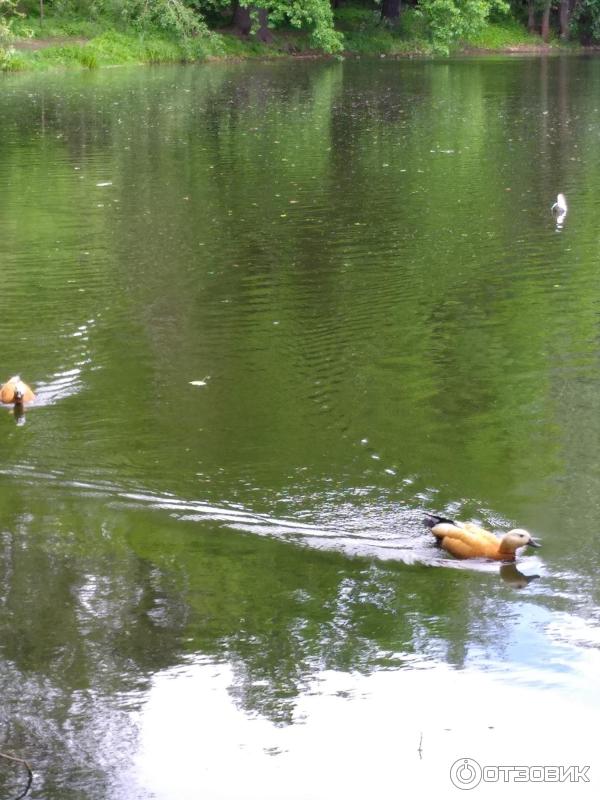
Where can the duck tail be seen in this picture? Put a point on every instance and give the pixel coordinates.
(431, 520)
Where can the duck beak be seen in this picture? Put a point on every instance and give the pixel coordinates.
(534, 542)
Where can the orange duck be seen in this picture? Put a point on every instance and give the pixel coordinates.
(16, 392)
(466, 540)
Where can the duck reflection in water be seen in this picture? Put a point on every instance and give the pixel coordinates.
(514, 577)
(19, 415)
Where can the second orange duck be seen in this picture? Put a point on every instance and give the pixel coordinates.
(16, 392)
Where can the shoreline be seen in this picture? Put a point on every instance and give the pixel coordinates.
(113, 48)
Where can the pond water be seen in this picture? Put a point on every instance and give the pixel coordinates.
(273, 313)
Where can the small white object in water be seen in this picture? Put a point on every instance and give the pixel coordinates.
(561, 204)
(104, 183)
(200, 383)
(559, 209)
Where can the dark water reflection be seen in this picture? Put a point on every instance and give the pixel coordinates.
(273, 312)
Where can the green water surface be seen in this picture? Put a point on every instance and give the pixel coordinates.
(272, 314)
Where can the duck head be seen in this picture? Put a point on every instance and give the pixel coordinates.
(19, 389)
(516, 538)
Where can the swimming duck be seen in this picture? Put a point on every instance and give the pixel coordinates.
(466, 540)
(560, 207)
(16, 392)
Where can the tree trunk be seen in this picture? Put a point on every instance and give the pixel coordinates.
(564, 18)
(263, 34)
(531, 16)
(390, 11)
(242, 21)
(546, 21)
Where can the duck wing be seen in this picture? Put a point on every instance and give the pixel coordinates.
(459, 547)
(481, 534)
(7, 393)
(464, 543)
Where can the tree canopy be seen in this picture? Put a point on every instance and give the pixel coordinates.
(441, 22)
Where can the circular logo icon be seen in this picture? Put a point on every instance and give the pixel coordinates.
(465, 773)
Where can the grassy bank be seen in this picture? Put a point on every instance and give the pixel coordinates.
(66, 42)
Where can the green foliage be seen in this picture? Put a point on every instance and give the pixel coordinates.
(172, 16)
(160, 31)
(87, 58)
(585, 22)
(11, 61)
(159, 51)
(113, 47)
(357, 17)
(7, 10)
(117, 48)
(197, 48)
(56, 26)
(413, 25)
(450, 21)
(169, 16)
(70, 55)
(8, 59)
(365, 34)
(499, 35)
(6, 35)
(314, 14)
